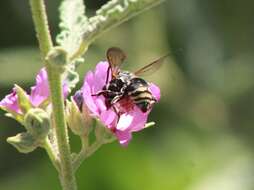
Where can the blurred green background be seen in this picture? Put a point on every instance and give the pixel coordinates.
(203, 139)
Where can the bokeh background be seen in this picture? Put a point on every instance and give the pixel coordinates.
(203, 139)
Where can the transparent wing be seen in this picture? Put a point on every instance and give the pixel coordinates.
(152, 67)
(115, 57)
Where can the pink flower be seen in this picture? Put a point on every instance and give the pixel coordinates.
(10, 102)
(131, 120)
(39, 93)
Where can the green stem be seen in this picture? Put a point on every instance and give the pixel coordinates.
(54, 77)
(67, 174)
(85, 153)
(51, 154)
(87, 150)
(41, 26)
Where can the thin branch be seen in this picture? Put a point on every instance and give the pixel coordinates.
(51, 154)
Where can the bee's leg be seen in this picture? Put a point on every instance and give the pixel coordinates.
(154, 99)
(117, 113)
(116, 98)
(101, 92)
(113, 129)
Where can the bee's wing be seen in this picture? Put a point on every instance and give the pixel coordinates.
(115, 57)
(152, 67)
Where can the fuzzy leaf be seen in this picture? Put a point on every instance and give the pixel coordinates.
(71, 77)
(110, 15)
(72, 24)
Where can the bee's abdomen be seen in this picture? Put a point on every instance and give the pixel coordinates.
(142, 98)
(140, 95)
(138, 92)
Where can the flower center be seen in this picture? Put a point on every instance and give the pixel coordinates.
(126, 104)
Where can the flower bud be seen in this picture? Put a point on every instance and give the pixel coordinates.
(58, 58)
(37, 123)
(103, 134)
(79, 124)
(23, 142)
(78, 99)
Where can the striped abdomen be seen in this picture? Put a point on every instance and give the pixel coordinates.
(139, 93)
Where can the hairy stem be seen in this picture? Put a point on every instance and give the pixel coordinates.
(51, 154)
(84, 153)
(67, 174)
(41, 26)
(54, 77)
(88, 151)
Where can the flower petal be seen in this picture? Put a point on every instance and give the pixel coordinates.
(155, 90)
(132, 121)
(107, 117)
(40, 91)
(123, 137)
(87, 94)
(139, 119)
(11, 102)
(65, 89)
(125, 122)
(100, 74)
(100, 103)
(93, 83)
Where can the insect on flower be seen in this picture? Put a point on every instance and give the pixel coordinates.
(127, 88)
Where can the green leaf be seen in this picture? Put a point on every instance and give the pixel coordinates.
(114, 13)
(72, 24)
(110, 15)
(23, 99)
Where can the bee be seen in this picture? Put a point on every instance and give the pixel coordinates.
(127, 88)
